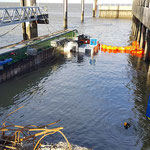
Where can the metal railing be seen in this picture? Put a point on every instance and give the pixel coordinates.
(14, 15)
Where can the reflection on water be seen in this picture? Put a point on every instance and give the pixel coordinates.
(141, 87)
(92, 101)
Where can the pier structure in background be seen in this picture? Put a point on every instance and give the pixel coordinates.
(82, 12)
(141, 25)
(94, 8)
(115, 11)
(65, 14)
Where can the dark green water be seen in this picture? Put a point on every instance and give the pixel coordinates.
(92, 101)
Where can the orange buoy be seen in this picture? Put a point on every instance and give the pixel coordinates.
(138, 45)
(140, 51)
(103, 46)
(121, 49)
(134, 49)
(108, 47)
(114, 48)
(128, 49)
(104, 50)
(134, 43)
(109, 51)
(134, 52)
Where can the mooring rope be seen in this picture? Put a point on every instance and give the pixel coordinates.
(9, 30)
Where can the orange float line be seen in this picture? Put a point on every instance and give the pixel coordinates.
(134, 49)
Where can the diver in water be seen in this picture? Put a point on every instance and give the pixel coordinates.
(126, 125)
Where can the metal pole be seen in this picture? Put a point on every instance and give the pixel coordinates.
(65, 14)
(94, 8)
(82, 13)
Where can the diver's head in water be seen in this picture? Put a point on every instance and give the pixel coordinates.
(126, 125)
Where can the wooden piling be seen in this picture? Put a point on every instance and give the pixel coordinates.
(82, 13)
(139, 32)
(25, 37)
(133, 27)
(65, 14)
(29, 28)
(147, 47)
(143, 34)
(147, 3)
(136, 29)
(94, 8)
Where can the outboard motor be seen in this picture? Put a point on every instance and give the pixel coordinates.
(83, 39)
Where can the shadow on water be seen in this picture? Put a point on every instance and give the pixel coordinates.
(139, 75)
(28, 84)
(11, 89)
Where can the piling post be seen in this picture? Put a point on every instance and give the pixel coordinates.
(65, 14)
(31, 27)
(136, 28)
(82, 13)
(139, 32)
(147, 3)
(143, 34)
(148, 76)
(22, 3)
(133, 26)
(147, 46)
(94, 8)
(135, 31)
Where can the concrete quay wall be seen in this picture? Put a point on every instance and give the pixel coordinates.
(26, 65)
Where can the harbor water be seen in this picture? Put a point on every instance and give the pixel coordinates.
(92, 100)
